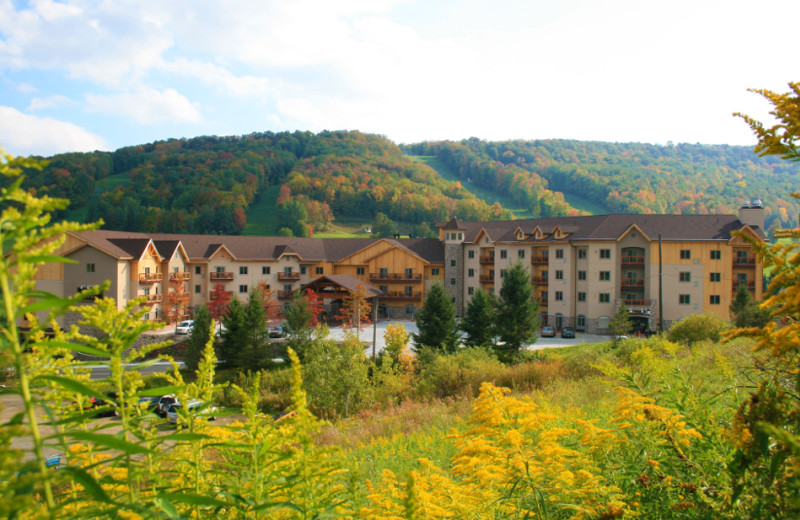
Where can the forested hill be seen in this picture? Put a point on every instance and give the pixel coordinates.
(627, 177)
(218, 184)
(207, 184)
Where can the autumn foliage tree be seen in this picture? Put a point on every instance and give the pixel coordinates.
(175, 304)
(355, 310)
(219, 300)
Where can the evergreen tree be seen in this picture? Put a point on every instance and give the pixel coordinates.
(620, 324)
(517, 312)
(235, 338)
(298, 325)
(745, 311)
(257, 328)
(198, 338)
(436, 321)
(478, 323)
(383, 226)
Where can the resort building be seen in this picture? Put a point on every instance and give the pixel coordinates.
(659, 267)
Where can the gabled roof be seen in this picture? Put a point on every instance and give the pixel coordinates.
(133, 247)
(345, 281)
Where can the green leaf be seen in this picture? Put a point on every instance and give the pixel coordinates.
(76, 347)
(145, 364)
(185, 437)
(276, 505)
(161, 390)
(167, 507)
(89, 484)
(47, 259)
(109, 441)
(198, 500)
(16, 420)
(74, 386)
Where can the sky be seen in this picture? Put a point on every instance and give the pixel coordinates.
(83, 75)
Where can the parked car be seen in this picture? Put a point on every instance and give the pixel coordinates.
(548, 332)
(184, 327)
(277, 331)
(567, 332)
(195, 405)
(160, 407)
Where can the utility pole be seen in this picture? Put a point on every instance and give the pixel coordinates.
(660, 287)
(374, 328)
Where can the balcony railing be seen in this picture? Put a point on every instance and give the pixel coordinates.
(395, 277)
(750, 284)
(487, 278)
(540, 280)
(744, 262)
(487, 260)
(635, 303)
(632, 261)
(397, 295)
(285, 277)
(632, 283)
(152, 299)
(221, 276)
(540, 260)
(284, 295)
(149, 277)
(180, 277)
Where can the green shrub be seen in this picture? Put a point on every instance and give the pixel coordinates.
(447, 375)
(697, 327)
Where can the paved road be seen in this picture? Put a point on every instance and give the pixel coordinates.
(100, 371)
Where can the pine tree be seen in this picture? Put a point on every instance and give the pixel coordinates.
(198, 338)
(478, 323)
(436, 321)
(235, 337)
(620, 324)
(517, 313)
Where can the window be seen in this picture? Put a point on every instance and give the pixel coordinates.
(452, 281)
(581, 275)
(146, 291)
(503, 253)
(384, 272)
(605, 253)
(453, 263)
(409, 273)
(581, 296)
(435, 271)
(605, 297)
(559, 275)
(521, 253)
(287, 270)
(197, 289)
(384, 289)
(198, 269)
(146, 269)
(243, 270)
(302, 269)
(545, 295)
(408, 290)
(686, 254)
(716, 277)
(265, 270)
(559, 253)
(243, 289)
(319, 270)
(582, 252)
(360, 271)
(287, 288)
(90, 268)
(685, 276)
(684, 299)
(605, 276)
(470, 290)
(460, 236)
(409, 310)
(716, 255)
(714, 299)
(503, 273)
(470, 254)
(559, 296)
(581, 322)
(470, 272)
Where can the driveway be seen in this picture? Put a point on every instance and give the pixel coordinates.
(366, 335)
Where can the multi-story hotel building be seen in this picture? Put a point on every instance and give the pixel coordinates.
(660, 267)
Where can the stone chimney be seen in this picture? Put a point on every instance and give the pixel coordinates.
(752, 214)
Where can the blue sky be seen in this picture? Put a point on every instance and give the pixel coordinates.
(83, 75)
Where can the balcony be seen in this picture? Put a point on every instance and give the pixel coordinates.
(396, 295)
(152, 299)
(487, 260)
(540, 260)
(221, 276)
(632, 261)
(487, 278)
(540, 280)
(284, 295)
(750, 284)
(744, 262)
(636, 303)
(395, 277)
(149, 277)
(632, 283)
(180, 277)
(222, 294)
(289, 277)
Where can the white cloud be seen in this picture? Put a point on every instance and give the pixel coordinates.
(220, 77)
(22, 134)
(146, 106)
(46, 103)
